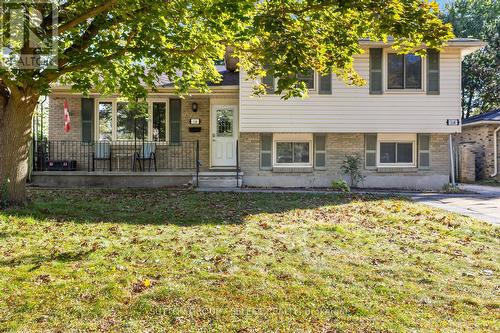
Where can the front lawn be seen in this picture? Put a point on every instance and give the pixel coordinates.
(158, 260)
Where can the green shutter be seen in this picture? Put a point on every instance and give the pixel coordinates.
(266, 151)
(370, 151)
(376, 71)
(175, 120)
(87, 118)
(424, 156)
(433, 72)
(325, 84)
(319, 151)
(268, 80)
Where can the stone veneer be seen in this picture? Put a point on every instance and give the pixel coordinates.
(338, 145)
(480, 140)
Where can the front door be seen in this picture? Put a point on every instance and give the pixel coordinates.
(224, 134)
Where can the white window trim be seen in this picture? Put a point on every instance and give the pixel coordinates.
(114, 117)
(397, 138)
(301, 138)
(385, 76)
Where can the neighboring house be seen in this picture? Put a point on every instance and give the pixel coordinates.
(480, 134)
(399, 123)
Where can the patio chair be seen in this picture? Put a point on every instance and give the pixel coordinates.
(148, 153)
(102, 152)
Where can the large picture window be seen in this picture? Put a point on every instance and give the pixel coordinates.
(120, 120)
(404, 71)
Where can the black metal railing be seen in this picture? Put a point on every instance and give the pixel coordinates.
(114, 156)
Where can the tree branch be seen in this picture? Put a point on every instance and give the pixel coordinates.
(86, 15)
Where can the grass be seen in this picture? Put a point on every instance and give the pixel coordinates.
(161, 260)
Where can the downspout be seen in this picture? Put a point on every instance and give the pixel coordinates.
(452, 162)
(495, 152)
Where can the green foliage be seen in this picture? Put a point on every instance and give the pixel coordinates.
(480, 70)
(341, 185)
(182, 261)
(352, 166)
(120, 45)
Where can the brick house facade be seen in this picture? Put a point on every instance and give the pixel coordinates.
(478, 134)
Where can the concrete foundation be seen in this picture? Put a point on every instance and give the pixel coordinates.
(408, 182)
(110, 179)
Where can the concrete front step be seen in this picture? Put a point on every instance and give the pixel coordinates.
(218, 179)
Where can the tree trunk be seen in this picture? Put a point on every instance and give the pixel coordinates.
(15, 135)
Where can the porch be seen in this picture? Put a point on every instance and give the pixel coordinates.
(119, 164)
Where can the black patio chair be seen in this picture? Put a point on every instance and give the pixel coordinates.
(148, 153)
(102, 152)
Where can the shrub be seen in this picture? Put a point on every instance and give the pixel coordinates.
(351, 166)
(341, 185)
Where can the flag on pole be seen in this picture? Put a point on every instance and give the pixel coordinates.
(67, 121)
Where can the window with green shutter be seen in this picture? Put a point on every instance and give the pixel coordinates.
(433, 72)
(325, 84)
(266, 151)
(370, 151)
(175, 120)
(319, 151)
(376, 87)
(424, 156)
(87, 119)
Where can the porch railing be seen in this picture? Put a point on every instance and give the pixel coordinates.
(114, 156)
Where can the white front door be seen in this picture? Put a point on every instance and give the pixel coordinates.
(224, 134)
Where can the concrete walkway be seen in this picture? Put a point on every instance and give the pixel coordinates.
(482, 203)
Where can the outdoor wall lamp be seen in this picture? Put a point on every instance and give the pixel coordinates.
(194, 107)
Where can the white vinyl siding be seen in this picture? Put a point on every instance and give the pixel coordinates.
(354, 110)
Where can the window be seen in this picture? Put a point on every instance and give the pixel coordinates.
(129, 123)
(396, 152)
(308, 78)
(424, 155)
(293, 149)
(292, 152)
(105, 121)
(121, 120)
(404, 71)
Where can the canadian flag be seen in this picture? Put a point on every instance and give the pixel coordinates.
(67, 121)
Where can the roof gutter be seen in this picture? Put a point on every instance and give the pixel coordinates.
(495, 152)
(482, 122)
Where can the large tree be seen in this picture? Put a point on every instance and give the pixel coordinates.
(121, 45)
(480, 70)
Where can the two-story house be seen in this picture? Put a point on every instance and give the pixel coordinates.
(399, 124)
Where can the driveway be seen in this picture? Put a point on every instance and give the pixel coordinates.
(483, 204)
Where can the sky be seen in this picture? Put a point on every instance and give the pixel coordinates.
(443, 2)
